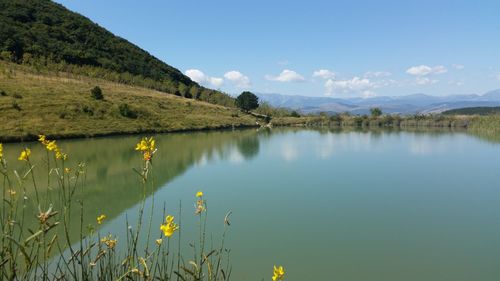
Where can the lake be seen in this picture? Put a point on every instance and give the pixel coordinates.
(325, 204)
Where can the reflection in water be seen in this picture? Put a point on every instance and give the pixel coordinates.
(110, 184)
(356, 205)
(248, 147)
(289, 151)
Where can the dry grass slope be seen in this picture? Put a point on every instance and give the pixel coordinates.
(60, 105)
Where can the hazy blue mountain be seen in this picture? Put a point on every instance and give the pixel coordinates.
(408, 104)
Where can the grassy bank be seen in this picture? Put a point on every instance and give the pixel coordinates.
(60, 105)
(486, 127)
(394, 121)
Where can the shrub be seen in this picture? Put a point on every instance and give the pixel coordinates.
(96, 93)
(15, 105)
(89, 110)
(125, 111)
(295, 114)
(3, 93)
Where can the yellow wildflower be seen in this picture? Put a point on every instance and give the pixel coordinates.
(158, 241)
(142, 145)
(100, 219)
(169, 227)
(67, 170)
(152, 143)
(109, 242)
(147, 147)
(43, 139)
(25, 154)
(51, 145)
(1, 151)
(12, 192)
(60, 155)
(199, 194)
(278, 273)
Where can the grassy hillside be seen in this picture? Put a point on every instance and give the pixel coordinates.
(60, 105)
(45, 34)
(474, 111)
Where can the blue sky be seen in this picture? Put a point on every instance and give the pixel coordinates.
(316, 48)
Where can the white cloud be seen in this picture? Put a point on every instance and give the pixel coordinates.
(199, 77)
(356, 84)
(217, 82)
(423, 70)
(377, 74)
(498, 76)
(286, 76)
(425, 81)
(196, 75)
(329, 87)
(458, 66)
(239, 80)
(324, 74)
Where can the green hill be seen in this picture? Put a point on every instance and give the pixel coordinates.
(46, 35)
(474, 111)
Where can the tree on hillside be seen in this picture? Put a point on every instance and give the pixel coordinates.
(375, 112)
(247, 101)
(183, 89)
(96, 93)
(193, 93)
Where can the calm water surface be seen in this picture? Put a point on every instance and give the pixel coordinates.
(328, 205)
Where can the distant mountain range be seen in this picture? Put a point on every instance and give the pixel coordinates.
(409, 104)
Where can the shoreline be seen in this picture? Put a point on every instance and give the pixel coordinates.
(31, 137)
(303, 124)
(472, 124)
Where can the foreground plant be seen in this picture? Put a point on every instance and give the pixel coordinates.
(278, 273)
(44, 251)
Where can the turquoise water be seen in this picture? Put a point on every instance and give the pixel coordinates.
(327, 205)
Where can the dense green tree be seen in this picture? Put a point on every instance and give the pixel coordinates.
(375, 112)
(247, 101)
(96, 93)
